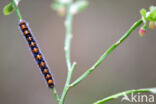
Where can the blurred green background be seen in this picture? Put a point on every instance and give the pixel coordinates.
(132, 65)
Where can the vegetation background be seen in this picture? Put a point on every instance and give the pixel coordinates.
(132, 65)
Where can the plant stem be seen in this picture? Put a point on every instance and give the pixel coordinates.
(66, 88)
(106, 53)
(55, 94)
(17, 10)
(124, 93)
(68, 37)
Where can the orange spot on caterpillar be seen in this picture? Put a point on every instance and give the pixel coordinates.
(29, 38)
(35, 50)
(26, 32)
(42, 64)
(38, 57)
(50, 81)
(45, 71)
(32, 44)
(48, 76)
(23, 26)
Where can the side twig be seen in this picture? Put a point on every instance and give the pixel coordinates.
(151, 90)
(106, 53)
(17, 10)
(66, 88)
(55, 94)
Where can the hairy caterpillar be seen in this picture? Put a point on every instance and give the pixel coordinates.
(24, 28)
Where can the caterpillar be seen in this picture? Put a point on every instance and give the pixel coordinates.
(36, 52)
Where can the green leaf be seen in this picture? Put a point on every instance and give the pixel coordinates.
(152, 8)
(8, 9)
(79, 6)
(143, 12)
(151, 15)
(56, 6)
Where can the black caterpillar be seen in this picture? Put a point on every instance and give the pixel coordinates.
(24, 28)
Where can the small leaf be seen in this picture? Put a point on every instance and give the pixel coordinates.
(79, 6)
(8, 9)
(82, 5)
(152, 8)
(59, 8)
(143, 12)
(151, 15)
(143, 15)
(56, 6)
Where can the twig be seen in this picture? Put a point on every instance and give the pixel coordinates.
(108, 51)
(152, 90)
(55, 94)
(66, 88)
(17, 10)
(68, 37)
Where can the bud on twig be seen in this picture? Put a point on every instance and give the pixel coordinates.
(152, 25)
(142, 31)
